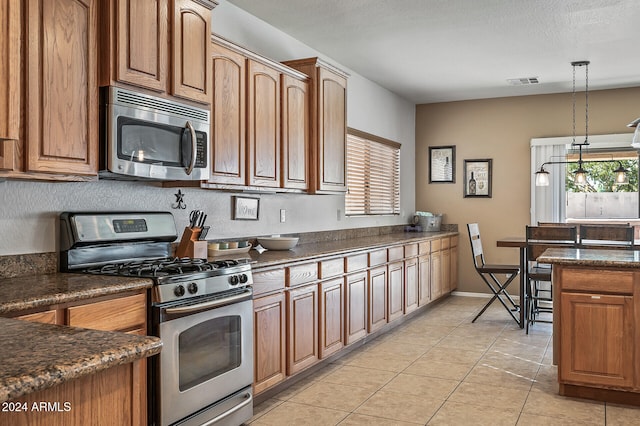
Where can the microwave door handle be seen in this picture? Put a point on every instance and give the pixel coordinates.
(194, 148)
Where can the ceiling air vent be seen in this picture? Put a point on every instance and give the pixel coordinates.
(522, 81)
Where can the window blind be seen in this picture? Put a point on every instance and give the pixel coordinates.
(373, 175)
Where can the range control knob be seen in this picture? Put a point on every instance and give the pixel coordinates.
(193, 288)
(233, 279)
(179, 290)
(243, 278)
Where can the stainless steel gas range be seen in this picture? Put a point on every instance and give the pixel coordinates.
(201, 310)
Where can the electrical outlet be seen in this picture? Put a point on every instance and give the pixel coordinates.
(283, 215)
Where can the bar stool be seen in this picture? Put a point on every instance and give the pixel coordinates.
(539, 293)
(606, 236)
(488, 274)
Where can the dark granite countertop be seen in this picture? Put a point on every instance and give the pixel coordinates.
(34, 291)
(38, 356)
(592, 257)
(309, 251)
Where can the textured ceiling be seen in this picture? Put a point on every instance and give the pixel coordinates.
(445, 50)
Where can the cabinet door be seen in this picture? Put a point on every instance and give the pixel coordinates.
(269, 341)
(10, 38)
(191, 51)
(141, 43)
(228, 117)
(597, 340)
(295, 133)
(377, 298)
(411, 282)
(302, 328)
(263, 125)
(424, 277)
(355, 307)
(436, 275)
(396, 290)
(332, 130)
(446, 272)
(453, 278)
(61, 90)
(331, 309)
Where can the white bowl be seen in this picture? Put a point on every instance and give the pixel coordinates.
(278, 243)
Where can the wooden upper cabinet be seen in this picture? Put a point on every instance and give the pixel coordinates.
(191, 49)
(328, 100)
(10, 16)
(61, 130)
(263, 125)
(295, 133)
(136, 48)
(228, 106)
(136, 39)
(10, 76)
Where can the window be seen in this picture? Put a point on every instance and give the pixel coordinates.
(601, 197)
(373, 175)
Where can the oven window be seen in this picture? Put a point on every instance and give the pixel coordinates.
(145, 142)
(209, 349)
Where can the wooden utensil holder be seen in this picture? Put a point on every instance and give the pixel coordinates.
(190, 246)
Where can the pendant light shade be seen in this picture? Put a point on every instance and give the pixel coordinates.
(542, 177)
(622, 176)
(580, 176)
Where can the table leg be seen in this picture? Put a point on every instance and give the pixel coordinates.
(523, 282)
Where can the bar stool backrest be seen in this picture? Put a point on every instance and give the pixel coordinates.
(606, 236)
(476, 245)
(540, 238)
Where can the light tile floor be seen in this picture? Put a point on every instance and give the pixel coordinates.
(440, 369)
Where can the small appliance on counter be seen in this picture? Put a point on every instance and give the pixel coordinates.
(202, 311)
(427, 221)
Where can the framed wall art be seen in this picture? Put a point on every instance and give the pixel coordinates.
(246, 208)
(477, 178)
(442, 164)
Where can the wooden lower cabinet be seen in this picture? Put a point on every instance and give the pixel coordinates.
(597, 340)
(411, 285)
(45, 317)
(396, 290)
(377, 298)
(269, 341)
(108, 397)
(121, 314)
(331, 308)
(355, 307)
(302, 328)
(445, 286)
(453, 278)
(436, 284)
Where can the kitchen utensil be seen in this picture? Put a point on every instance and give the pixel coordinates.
(203, 233)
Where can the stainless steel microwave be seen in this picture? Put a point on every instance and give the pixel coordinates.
(148, 137)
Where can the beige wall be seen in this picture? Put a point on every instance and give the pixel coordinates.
(501, 129)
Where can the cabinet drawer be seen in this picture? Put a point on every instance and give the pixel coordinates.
(396, 253)
(445, 242)
(424, 247)
(268, 281)
(357, 262)
(436, 245)
(331, 268)
(598, 281)
(378, 257)
(46, 317)
(410, 250)
(301, 274)
(120, 314)
(454, 241)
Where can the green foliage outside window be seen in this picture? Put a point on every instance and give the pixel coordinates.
(601, 177)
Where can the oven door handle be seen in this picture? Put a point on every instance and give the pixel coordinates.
(206, 305)
(243, 404)
(194, 148)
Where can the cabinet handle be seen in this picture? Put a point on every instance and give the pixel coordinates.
(194, 148)
(595, 297)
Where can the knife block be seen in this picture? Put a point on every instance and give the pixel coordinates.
(190, 246)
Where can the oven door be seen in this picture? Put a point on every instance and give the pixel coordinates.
(207, 356)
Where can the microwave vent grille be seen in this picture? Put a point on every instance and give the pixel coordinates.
(138, 100)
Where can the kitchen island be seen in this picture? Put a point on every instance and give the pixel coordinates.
(596, 323)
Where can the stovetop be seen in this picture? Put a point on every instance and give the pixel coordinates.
(164, 267)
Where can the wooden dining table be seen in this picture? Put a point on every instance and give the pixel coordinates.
(521, 243)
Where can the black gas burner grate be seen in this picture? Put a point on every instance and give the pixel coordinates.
(170, 266)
